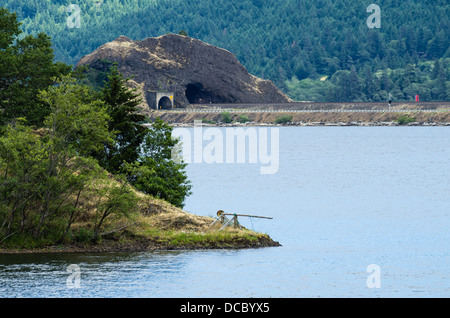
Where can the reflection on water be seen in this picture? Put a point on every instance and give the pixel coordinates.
(343, 199)
(106, 274)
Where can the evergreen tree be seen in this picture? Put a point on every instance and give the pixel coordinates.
(368, 83)
(26, 67)
(437, 70)
(157, 172)
(354, 85)
(441, 85)
(385, 83)
(125, 122)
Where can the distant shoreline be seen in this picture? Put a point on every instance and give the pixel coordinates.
(344, 119)
(316, 124)
(307, 114)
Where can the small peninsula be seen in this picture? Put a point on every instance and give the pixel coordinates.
(155, 225)
(79, 170)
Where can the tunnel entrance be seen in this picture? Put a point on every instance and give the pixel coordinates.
(159, 100)
(196, 94)
(165, 103)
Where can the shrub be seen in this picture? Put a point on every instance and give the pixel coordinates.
(405, 119)
(243, 119)
(207, 121)
(226, 117)
(283, 119)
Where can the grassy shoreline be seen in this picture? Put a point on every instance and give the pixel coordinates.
(163, 227)
(144, 244)
(169, 240)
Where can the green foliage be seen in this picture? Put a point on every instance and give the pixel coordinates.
(156, 172)
(26, 67)
(226, 117)
(96, 75)
(39, 174)
(283, 119)
(243, 119)
(207, 121)
(78, 122)
(83, 235)
(308, 89)
(124, 122)
(46, 173)
(405, 119)
(429, 81)
(120, 201)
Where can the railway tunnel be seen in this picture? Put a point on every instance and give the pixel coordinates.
(197, 94)
(160, 100)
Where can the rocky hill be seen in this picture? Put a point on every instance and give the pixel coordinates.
(194, 71)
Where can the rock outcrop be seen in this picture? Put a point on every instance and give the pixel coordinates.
(196, 72)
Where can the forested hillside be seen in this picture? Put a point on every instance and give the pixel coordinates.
(321, 50)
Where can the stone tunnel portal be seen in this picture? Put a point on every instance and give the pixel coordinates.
(160, 100)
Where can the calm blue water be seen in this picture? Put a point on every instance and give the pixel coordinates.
(343, 198)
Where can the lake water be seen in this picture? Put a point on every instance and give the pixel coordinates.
(359, 211)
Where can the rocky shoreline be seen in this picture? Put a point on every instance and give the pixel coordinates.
(314, 124)
(304, 119)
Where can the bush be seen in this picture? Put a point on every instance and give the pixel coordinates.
(83, 235)
(405, 119)
(226, 117)
(207, 121)
(243, 119)
(156, 172)
(283, 119)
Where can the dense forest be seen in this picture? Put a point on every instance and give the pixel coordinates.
(321, 50)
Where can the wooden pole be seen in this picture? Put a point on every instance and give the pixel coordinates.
(251, 216)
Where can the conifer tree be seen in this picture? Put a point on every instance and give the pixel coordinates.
(121, 102)
(26, 68)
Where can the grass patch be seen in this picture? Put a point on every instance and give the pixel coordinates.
(207, 121)
(195, 234)
(226, 117)
(214, 238)
(243, 119)
(283, 119)
(405, 119)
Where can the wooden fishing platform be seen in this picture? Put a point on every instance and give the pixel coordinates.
(222, 218)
